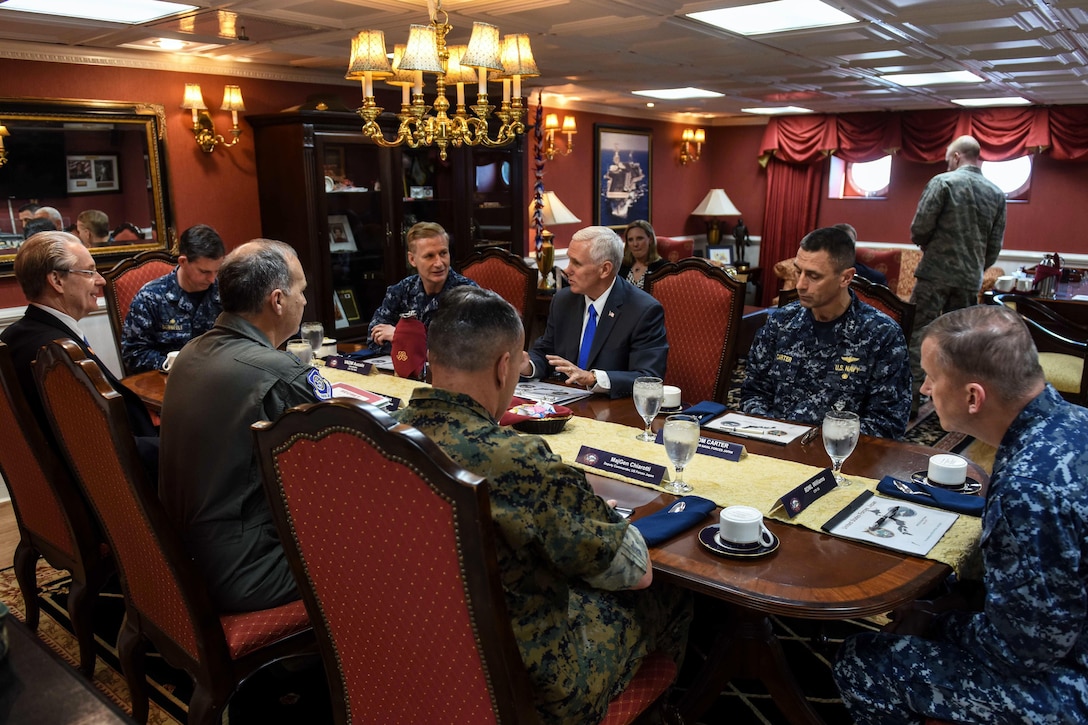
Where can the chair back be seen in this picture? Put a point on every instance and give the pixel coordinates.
(674, 250)
(127, 233)
(507, 275)
(875, 295)
(161, 587)
(400, 576)
(1062, 344)
(125, 280)
(703, 308)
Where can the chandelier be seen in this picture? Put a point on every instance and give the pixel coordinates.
(426, 52)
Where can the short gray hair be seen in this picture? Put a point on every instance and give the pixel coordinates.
(41, 254)
(251, 272)
(471, 328)
(991, 344)
(604, 245)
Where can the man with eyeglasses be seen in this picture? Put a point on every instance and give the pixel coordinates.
(62, 286)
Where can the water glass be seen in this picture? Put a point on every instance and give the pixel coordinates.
(313, 333)
(648, 394)
(681, 434)
(301, 350)
(840, 431)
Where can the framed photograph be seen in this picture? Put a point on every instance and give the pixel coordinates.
(345, 299)
(92, 174)
(720, 254)
(340, 237)
(333, 162)
(622, 163)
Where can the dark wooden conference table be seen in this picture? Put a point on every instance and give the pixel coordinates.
(811, 576)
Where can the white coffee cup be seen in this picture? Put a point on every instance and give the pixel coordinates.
(1006, 283)
(672, 397)
(1025, 284)
(947, 469)
(328, 347)
(743, 525)
(169, 361)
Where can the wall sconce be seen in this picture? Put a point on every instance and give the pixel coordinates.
(691, 136)
(3, 154)
(551, 125)
(203, 128)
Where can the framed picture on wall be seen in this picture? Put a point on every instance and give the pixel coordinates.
(340, 237)
(623, 166)
(92, 174)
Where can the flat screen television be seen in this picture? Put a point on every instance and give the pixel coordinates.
(36, 165)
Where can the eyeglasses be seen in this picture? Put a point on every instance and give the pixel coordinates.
(87, 272)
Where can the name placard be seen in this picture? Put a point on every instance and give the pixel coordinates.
(624, 466)
(345, 363)
(712, 447)
(799, 498)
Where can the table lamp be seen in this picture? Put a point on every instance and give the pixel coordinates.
(553, 212)
(715, 204)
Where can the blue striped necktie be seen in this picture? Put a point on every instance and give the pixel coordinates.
(587, 338)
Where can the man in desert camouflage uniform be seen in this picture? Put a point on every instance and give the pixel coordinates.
(568, 561)
(829, 350)
(1024, 657)
(169, 311)
(959, 225)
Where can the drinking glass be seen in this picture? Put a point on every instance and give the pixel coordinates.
(648, 394)
(841, 431)
(681, 439)
(314, 333)
(301, 350)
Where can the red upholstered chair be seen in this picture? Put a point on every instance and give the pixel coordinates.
(52, 516)
(703, 307)
(166, 599)
(127, 233)
(509, 276)
(419, 632)
(125, 280)
(675, 249)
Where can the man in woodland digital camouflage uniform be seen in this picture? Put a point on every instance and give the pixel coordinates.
(568, 562)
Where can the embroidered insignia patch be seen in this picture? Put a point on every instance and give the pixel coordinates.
(321, 387)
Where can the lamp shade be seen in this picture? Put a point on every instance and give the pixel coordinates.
(455, 72)
(232, 99)
(484, 49)
(194, 99)
(517, 56)
(368, 54)
(400, 77)
(555, 211)
(551, 122)
(716, 203)
(422, 50)
(569, 125)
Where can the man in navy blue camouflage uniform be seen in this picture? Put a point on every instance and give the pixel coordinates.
(429, 253)
(1024, 657)
(169, 311)
(829, 350)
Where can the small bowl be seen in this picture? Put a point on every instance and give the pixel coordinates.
(542, 426)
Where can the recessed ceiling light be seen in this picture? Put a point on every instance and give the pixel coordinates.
(933, 79)
(673, 94)
(111, 11)
(774, 17)
(987, 102)
(650, 104)
(776, 110)
(170, 43)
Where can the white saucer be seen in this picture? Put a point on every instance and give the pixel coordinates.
(709, 538)
(970, 486)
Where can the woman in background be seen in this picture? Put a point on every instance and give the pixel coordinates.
(640, 252)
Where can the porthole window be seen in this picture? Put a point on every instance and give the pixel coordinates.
(870, 178)
(1013, 176)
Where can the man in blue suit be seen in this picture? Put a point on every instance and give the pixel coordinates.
(603, 332)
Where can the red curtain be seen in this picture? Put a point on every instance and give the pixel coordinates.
(1068, 140)
(793, 200)
(865, 137)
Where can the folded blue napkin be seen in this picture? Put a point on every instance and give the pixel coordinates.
(705, 411)
(668, 522)
(940, 498)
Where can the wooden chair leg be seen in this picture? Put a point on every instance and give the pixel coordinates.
(130, 647)
(26, 563)
(81, 600)
(202, 707)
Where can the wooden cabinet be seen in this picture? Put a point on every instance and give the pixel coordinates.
(345, 205)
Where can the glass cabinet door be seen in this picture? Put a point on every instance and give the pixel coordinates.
(358, 246)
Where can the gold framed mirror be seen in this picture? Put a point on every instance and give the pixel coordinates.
(100, 164)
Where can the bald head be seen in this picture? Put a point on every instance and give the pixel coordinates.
(964, 150)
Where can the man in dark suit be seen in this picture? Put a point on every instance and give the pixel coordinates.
(603, 332)
(62, 285)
